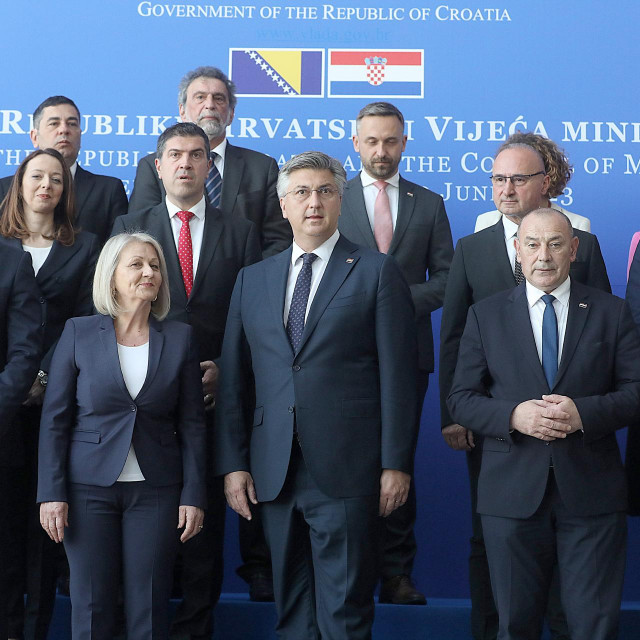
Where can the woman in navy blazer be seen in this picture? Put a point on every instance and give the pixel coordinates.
(37, 217)
(122, 444)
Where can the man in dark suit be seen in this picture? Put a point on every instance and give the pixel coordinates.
(546, 373)
(317, 406)
(20, 351)
(99, 199)
(420, 240)
(483, 264)
(204, 250)
(242, 182)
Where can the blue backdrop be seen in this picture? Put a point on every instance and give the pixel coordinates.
(465, 75)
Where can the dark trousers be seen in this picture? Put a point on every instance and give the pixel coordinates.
(484, 615)
(324, 562)
(254, 550)
(590, 552)
(123, 533)
(398, 546)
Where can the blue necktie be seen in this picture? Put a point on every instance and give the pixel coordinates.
(214, 183)
(298, 308)
(549, 340)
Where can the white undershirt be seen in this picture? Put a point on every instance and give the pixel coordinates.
(38, 256)
(196, 226)
(510, 231)
(221, 150)
(134, 362)
(370, 193)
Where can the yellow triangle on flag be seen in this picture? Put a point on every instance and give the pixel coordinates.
(288, 64)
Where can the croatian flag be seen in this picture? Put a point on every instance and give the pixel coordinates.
(394, 73)
(282, 73)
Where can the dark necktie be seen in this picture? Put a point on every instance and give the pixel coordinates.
(185, 250)
(298, 307)
(517, 267)
(214, 183)
(549, 340)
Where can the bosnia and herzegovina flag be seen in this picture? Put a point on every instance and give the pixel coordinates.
(277, 72)
(374, 73)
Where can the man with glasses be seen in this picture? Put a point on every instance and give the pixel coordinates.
(317, 406)
(383, 211)
(484, 263)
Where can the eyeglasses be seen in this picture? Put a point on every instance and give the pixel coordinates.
(517, 180)
(303, 193)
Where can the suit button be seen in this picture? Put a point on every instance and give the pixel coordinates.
(133, 407)
(296, 367)
(42, 301)
(43, 324)
(547, 443)
(291, 409)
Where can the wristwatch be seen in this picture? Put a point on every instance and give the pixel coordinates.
(43, 377)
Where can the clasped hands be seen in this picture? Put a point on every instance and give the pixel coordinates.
(550, 418)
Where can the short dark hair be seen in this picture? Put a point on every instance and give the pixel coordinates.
(52, 101)
(206, 72)
(181, 130)
(379, 109)
(311, 160)
(546, 211)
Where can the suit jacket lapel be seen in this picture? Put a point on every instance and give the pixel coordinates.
(276, 277)
(58, 256)
(498, 249)
(234, 167)
(156, 342)
(354, 200)
(110, 352)
(213, 227)
(337, 270)
(82, 186)
(406, 206)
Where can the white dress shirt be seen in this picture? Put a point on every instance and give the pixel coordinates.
(370, 193)
(38, 256)
(196, 226)
(221, 149)
(510, 231)
(318, 267)
(536, 313)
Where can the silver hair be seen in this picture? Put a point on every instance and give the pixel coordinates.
(379, 109)
(311, 160)
(206, 72)
(547, 211)
(104, 298)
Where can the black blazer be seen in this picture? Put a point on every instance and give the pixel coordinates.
(421, 242)
(89, 420)
(248, 191)
(20, 335)
(99, 201)
(228, 244)
(481, 268)
(499, 367)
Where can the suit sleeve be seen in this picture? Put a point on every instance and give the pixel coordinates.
(276, 230)
(469, 401)
(146, 190)
(597, 275)
(398, 366)
(457, 300)
(24, 341)
(119, 226)
(428, 296)
(231, 431)
(58, 417)
(191, 426)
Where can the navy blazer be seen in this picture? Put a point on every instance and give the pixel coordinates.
(248, 191)
(351, 385)
(499, 367)
(20, 334)
(89, 419)
(421, 243)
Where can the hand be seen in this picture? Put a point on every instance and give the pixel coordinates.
(35, 397)
(540, 419)
(394, 489)
(54, 518)
(191, 518)
(458, 437)
(567, 405)
(239, 490)
(209, 381)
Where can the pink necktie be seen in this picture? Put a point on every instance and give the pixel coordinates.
(185, 250)
(382, 223)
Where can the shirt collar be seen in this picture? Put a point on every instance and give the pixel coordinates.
(221, 149)
(510, 228)
(324, 251)
(367, 180)
(73, 168)
(197, 209)
(561, 293)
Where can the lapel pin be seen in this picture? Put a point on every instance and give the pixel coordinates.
(410, 194)
(583, 305)
(349, 260)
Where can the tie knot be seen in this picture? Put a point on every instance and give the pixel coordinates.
(381, 185)
(548, 298)
(308, 258)
(213, 155)
(184, 216)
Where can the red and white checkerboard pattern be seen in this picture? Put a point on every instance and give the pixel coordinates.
(375, 74)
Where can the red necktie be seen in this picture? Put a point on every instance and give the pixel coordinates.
(185, 250)
(382, 222)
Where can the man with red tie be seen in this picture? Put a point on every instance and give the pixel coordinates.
(204, 250)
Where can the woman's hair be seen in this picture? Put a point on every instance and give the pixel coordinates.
(104, 294)
(12, 219)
